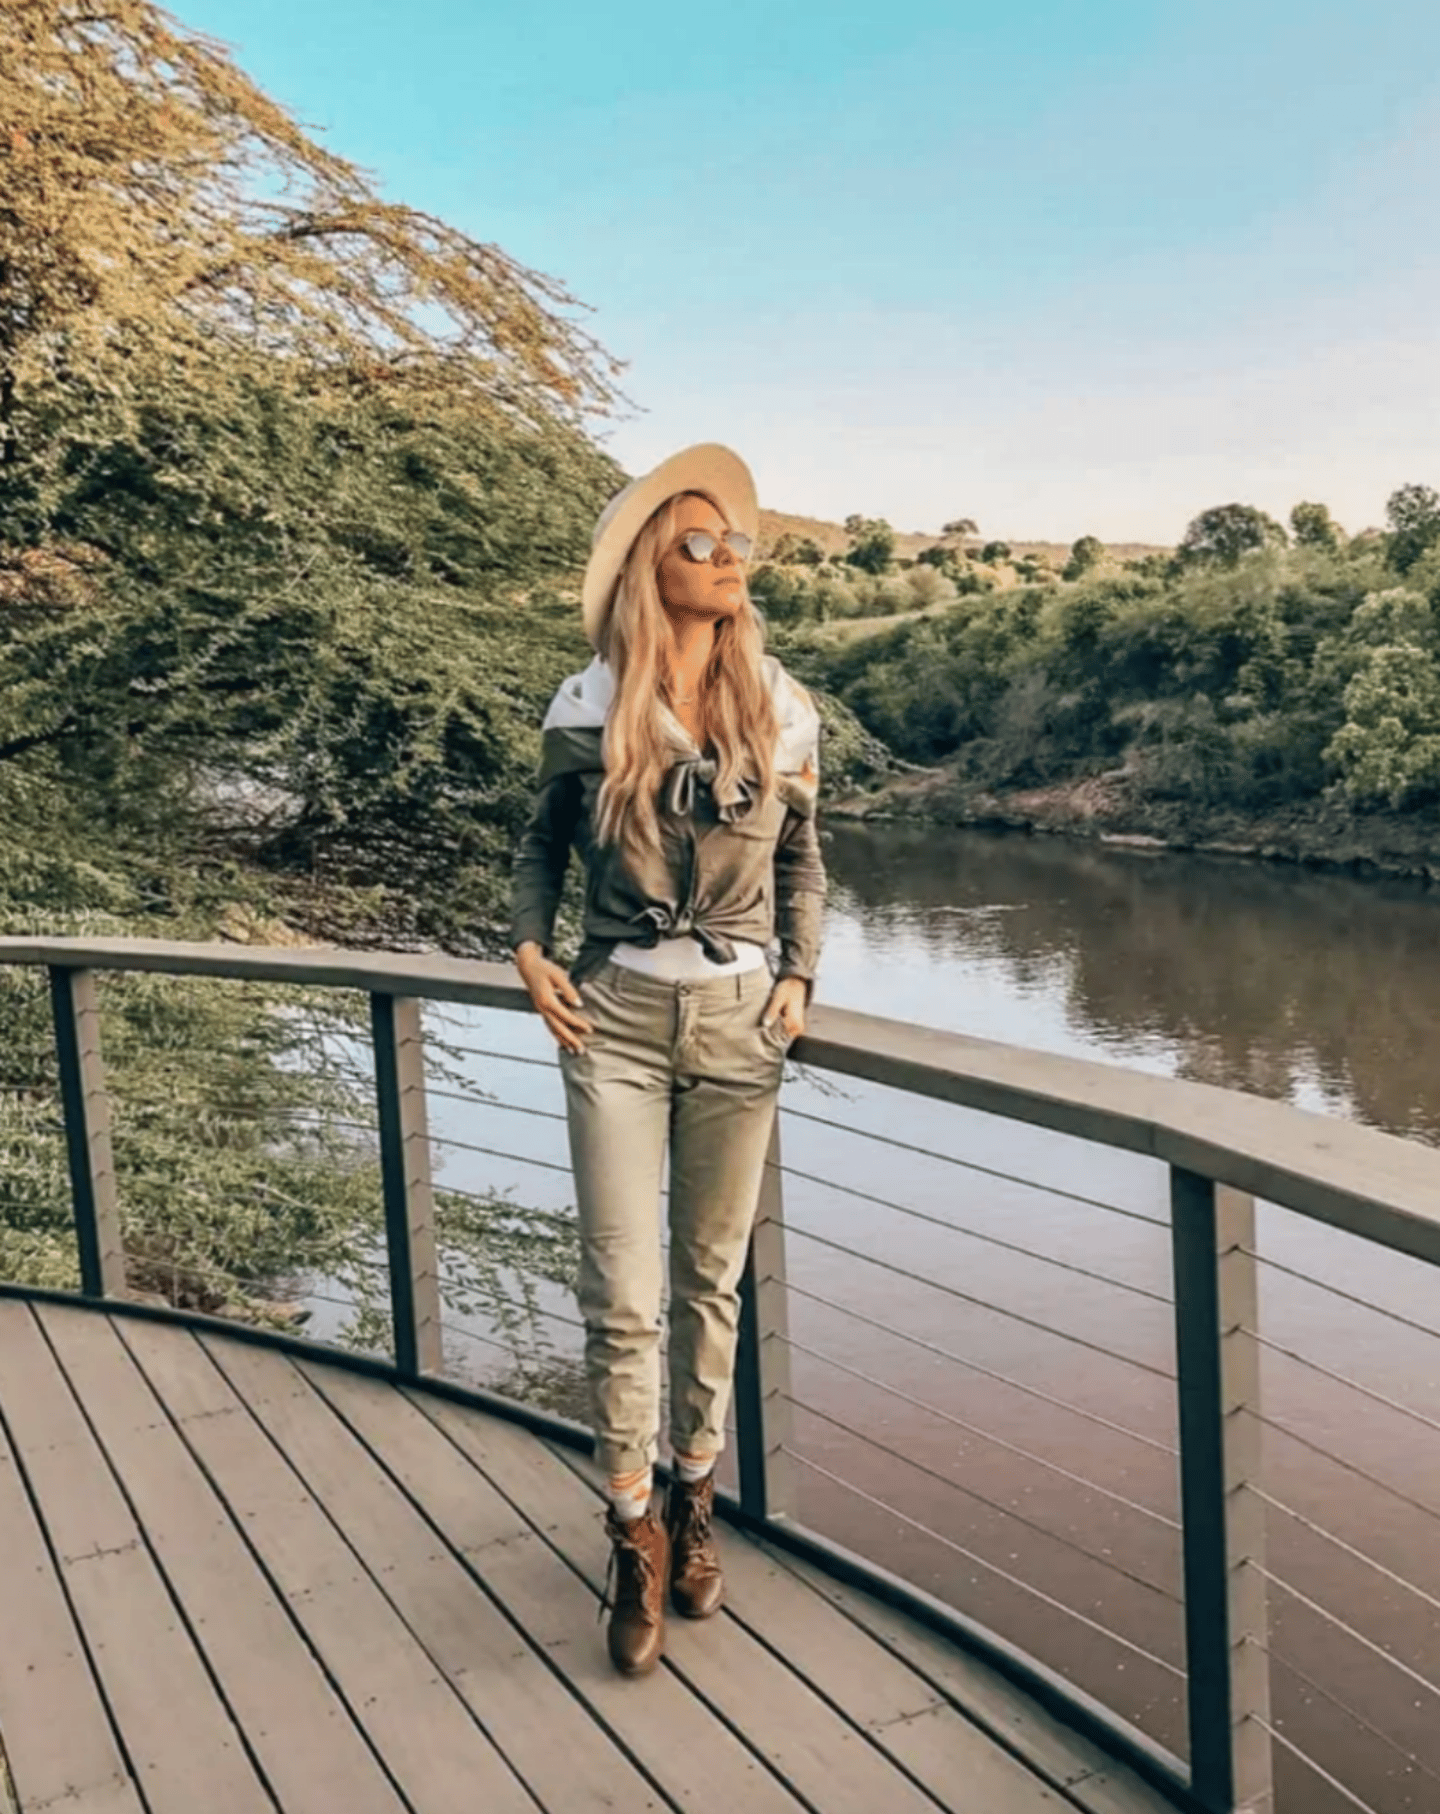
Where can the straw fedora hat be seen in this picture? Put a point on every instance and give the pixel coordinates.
(712, 470)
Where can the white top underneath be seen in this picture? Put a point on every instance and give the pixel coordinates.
(681, 960)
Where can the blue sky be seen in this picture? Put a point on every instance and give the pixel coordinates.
(1064, 267)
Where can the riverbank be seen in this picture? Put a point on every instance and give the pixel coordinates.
(1109, 809)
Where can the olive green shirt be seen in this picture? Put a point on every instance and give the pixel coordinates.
(746, 867)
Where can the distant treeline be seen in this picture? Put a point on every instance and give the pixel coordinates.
(1251, 667)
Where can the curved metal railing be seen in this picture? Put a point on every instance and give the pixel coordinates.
(1176, 1582)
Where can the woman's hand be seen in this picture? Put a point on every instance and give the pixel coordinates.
(555, 997)
(787, 1005)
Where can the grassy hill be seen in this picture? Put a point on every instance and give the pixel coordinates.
(833, 539)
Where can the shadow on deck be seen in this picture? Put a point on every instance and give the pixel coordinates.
(237, 1581)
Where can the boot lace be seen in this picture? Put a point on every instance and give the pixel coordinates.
(693, 1523)
(636, 1571)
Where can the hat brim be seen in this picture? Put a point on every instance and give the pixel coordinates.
(715, 471)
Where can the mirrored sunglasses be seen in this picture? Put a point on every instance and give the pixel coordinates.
(700, 544)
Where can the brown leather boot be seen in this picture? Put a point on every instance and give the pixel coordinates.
(696, 1585)
(640, 1567)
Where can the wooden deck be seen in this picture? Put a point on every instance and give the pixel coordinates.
(234, 1581)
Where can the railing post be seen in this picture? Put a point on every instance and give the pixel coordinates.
(405, 1177)
(85, 1103)
(762, 1360)
(1216, 1304)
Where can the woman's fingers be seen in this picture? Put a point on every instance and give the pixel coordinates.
(566, 1023)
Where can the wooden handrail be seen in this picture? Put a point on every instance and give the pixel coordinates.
(1379, 1186)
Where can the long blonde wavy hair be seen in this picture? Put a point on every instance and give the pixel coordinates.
(638, 642)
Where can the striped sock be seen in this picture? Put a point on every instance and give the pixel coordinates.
(691, 1468)
(629, 1494)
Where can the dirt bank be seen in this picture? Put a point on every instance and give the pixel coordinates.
(1109, 809)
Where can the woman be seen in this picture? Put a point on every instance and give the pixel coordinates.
(682, 766)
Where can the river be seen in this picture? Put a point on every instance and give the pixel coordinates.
(981, 1338)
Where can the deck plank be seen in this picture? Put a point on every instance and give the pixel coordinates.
(825, 1759)
(442, 1761)
(59, 1742)
(700, 1766)
(282, 1584)
(552, 1742)
(1090, 1776)
(311, 1749)
(189, 1753)
(904, 1714)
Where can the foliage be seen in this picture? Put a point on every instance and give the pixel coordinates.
(872, 544)
(801, 549)
(1085, 554)
(1313, 527)
(944, 558)
(994, 553)
(1272, 680)
(163, 216)
(1226, 532)
(962, 525)
(1413, 513)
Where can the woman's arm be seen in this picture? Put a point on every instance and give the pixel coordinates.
(542, 856)
(799, 898)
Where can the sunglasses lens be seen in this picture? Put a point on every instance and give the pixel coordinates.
(699, 544)
(739, 545)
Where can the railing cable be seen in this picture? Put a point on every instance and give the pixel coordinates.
(1310, 1764)
(982, 1303)
(547, 1064)
(469, 1146)
(975, 1234)
(972, 1165)
(1350, 1297)
(995, 1505)
(474, 1335)
(994, 1568)
(1334, 1619)
(1350, 1467)
(961, 1360)
(1340, 1379)
(1277, 1656)
(971, 1429)
(490, 1102)
(1319, 1530)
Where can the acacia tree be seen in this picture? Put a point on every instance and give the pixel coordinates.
(160, 213)
(1225, 532)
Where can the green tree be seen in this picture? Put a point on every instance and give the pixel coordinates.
(1313, 527)
(872, 544)
(165, 221)
(1413, 513)
(1227, 532)
(1388, 749)
(994, 554)
(961, 525)
(942, 557)
(1085, 554)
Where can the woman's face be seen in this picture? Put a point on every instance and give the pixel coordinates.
(711, 589)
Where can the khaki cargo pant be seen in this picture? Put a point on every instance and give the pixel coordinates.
(688, 1065)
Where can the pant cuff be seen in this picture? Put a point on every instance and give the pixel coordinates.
(618, 1461)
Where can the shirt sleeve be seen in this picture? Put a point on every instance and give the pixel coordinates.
(538, 873)
(799, 897)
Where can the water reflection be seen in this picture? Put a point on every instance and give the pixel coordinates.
(1319, 989)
